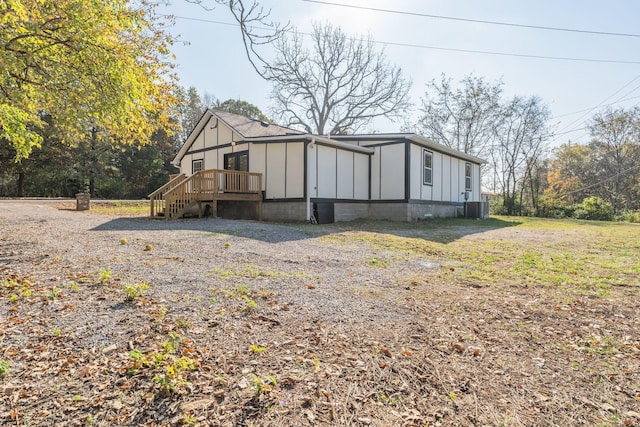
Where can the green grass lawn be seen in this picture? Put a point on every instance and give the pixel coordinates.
(587, 257)
(125, 208)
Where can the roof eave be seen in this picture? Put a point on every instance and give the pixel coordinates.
(443, 148)
(311, 137)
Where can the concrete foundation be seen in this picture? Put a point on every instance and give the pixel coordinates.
(350, 211)
(284, 211)
(345, 211)
(232, 209)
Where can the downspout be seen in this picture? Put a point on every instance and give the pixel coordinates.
(310, 146)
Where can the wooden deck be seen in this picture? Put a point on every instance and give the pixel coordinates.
(181, 193)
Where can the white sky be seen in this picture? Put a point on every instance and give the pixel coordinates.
(214, 61)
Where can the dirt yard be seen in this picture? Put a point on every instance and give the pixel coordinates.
(109, 320)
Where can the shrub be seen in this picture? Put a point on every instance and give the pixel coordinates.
(629, 216)
(594, 208)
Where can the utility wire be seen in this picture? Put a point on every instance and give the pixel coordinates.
(600, 182)
(600, 104)
(419, 46)
(563, 131)
(477, 21)
(591, 108)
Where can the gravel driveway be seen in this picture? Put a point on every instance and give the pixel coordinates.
(253, 324)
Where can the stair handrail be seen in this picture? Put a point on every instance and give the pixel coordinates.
(168, 184)
(157, 197)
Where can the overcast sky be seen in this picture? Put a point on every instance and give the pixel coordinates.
(214, 62)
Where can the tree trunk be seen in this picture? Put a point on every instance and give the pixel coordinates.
(20, 186)
(92, 184)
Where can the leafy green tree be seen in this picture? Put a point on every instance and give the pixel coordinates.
(606, 168)
(87, 64)
(569, 176)
(243, 108)
(48, 171)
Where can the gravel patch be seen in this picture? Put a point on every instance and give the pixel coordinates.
(252, 324)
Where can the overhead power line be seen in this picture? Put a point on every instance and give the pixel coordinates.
(476, 21)
(447, 49)
(600, 182)
(602, 102)
(591, 108)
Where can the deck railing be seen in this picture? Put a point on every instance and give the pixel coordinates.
(179, 194)
(157, 198)
(226, 181)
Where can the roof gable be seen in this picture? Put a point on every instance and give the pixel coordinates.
(250, 128)
(241, 125)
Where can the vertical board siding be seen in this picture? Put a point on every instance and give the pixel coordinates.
(416, 163)
(258, 160)
(207, 160)
(344, 169)
(295, 170)
(312, 159)
(436, 188)
(375, 173)
(446, 178)
(392, 172)
(335, 173)
(225, 136)
(454, 177)
(210, 135)
(361, 176)
(277, 172)
(326, 172)
(198, 144)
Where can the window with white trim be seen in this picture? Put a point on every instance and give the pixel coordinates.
(467, 176)
(427, 167)
(197, 165)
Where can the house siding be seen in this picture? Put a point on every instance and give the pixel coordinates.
(344, 174)
(385, 184)
(295, 170)
(392, 172)
(276, 180)
(360, 176)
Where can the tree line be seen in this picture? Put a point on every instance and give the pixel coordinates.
(99, 166)
(94, 105)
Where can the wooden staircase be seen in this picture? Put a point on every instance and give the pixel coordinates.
(181, 193)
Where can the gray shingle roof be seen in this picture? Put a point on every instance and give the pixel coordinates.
(250, 128)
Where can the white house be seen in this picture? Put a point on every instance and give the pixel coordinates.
(295, 176)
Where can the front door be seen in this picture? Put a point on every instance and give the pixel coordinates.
(235, 162)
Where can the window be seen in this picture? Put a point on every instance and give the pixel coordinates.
(427, 174)
(196, 165)
(467, 176)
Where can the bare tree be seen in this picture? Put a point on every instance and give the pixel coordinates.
(463, 118)
(256, 27)
(337, 86)
(520, 141)
(616, 151)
